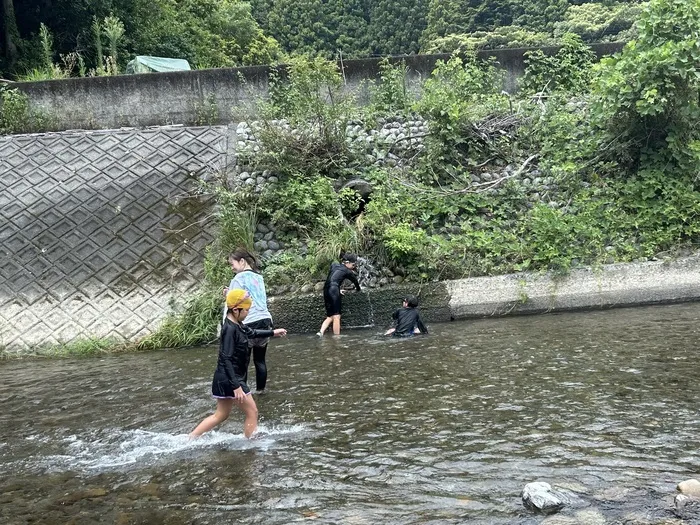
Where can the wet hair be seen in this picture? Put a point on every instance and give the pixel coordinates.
(411, 301)
(348, 258)
(241, 253)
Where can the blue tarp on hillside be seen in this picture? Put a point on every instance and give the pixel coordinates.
(146, 64)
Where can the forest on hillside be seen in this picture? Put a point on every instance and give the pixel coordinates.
(58, 38)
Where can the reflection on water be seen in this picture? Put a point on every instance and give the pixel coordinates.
(361, 429)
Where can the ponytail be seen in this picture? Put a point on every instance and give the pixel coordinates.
(242, 253)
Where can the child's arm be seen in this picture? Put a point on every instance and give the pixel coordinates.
(350, 275)
(253, 333)
(421, 326)
(394, 322)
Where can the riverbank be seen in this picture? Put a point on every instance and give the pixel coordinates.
(670, 280)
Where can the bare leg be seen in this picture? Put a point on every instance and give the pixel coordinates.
(336, 325)
(223, 409)
(324, 326)
(250, 409)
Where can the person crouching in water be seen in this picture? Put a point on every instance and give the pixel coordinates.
(332, 292)
(229, 383)
(407, 321)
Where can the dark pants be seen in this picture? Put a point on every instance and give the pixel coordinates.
(259, 346)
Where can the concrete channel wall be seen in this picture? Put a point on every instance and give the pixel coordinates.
(100, 230)
(217, 96)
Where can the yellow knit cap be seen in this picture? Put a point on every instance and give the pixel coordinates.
(238, 299)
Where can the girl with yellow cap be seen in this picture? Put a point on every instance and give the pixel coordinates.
(229, 383)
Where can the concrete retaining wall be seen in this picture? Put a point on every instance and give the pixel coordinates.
(214, 96)
(100, 230)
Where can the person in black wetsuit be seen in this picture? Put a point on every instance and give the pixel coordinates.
(407, 321)
(332, 292)
(229, 383)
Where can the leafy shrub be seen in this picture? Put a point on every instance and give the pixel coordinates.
(647, 97)
(316, 111)
(499, 38)
(460, 92)
(595, 22)
(569, 70)
(16, 115)
(390, 95)
(300, 204)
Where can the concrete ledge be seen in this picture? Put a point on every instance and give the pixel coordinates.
(609, 286)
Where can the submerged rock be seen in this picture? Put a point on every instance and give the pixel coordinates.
(686, 507)
(541, 497)
(690, 487)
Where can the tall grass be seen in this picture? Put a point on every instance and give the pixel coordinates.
(195, 324)
(335, 237)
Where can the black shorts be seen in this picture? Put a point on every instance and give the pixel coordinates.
(221, 387)
(331, 298)
(261, 324)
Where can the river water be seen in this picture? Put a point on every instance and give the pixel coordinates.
(362, 429)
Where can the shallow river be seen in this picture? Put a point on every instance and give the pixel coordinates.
(362, 430)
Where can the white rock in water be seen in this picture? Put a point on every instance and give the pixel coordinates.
(690, 487)
(686, 507)
(542, 497)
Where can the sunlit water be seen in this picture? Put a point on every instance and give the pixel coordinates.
(362, 429)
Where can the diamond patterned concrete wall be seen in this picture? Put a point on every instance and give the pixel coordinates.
(99, 230)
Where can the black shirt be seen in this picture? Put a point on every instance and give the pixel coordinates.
(406, 320)
(338, 273)
(234, 352)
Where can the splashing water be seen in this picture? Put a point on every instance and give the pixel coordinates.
(118, 448)
(365, 272)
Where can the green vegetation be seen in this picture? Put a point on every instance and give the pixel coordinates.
(16, 116)
(100, 36)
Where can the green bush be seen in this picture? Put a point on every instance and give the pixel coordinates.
(16, 116)
(569, 70)
(647, 99)
(459, 93)
(308, 95)
(390, 95)
(300, 204)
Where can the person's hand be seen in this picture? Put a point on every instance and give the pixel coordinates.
(239, 394)
(225, 291)
(279, 332)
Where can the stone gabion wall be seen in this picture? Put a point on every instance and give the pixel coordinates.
(101, 231)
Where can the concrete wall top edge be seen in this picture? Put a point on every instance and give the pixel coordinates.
(235, 75)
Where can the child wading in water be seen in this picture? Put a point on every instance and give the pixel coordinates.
(229, 384)
(407, 321)
(247, 278)
(332, 292)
